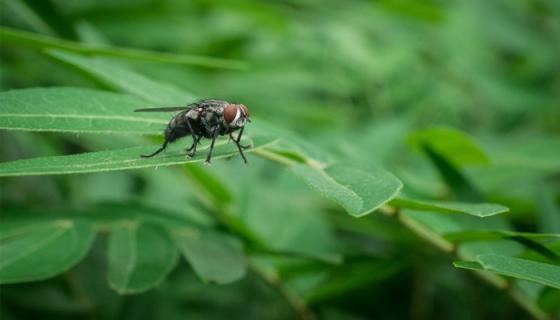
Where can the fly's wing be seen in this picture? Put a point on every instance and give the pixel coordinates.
(163, 109)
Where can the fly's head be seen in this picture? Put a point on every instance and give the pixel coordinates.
(236, 115)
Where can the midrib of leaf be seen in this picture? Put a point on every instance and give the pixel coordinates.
(84, 117)
(350, 191)
(133, 258)
(31, 249)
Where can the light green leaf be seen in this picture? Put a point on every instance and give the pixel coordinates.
(543, 273)
(213, 256)
(474, 209)
(119, 77)
(359, 192)
(35, 41)
(140, 257)
(452, 144)
(77, 110)
(122, 159)
(31, 251)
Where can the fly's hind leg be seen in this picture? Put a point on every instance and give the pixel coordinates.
(157, 151)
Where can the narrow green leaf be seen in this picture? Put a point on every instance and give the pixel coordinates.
(543, 273)
(529, 240)
(485, 235)
(213, 256)
(359, 192)
(122, 159)
(474, 209)
(119, 77)
(77, 110)
(34, 41)
(140, 257)
(31, 251)
(470, 265)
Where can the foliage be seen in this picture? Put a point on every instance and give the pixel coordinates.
(398, 149)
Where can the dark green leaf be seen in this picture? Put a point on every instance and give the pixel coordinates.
(214, 257)
(31, 251)
(140, 257)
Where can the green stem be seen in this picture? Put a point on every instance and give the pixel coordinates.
(295, 301)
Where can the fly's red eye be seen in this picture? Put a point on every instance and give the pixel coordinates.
(245, 110)
(230, 112)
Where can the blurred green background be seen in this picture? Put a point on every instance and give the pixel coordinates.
(353, 78)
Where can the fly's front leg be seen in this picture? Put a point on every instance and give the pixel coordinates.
(239, 146)
(214, 135)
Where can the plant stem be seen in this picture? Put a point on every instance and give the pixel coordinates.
(296, 302)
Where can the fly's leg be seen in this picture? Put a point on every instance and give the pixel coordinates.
(157, 151)
(191, 151)
(214, 135)
(239, 146)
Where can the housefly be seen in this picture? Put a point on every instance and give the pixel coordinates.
(206, 118)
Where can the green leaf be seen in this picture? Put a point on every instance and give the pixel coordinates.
(485, 235)
(359, 192)
(474, 209)
(122, 159)
(34, 41)
(77, 110)
(470, 265)
(546, 274)
(454, 145)
(461, 186)
(31, 251)
(213, 256)
(140, 257)
(529, 240)
(119, 77)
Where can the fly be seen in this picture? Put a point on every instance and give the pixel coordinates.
(206, 118)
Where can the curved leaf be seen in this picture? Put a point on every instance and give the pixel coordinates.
(359, 192)
(214, 257)
(31, 251)
(140, 257)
